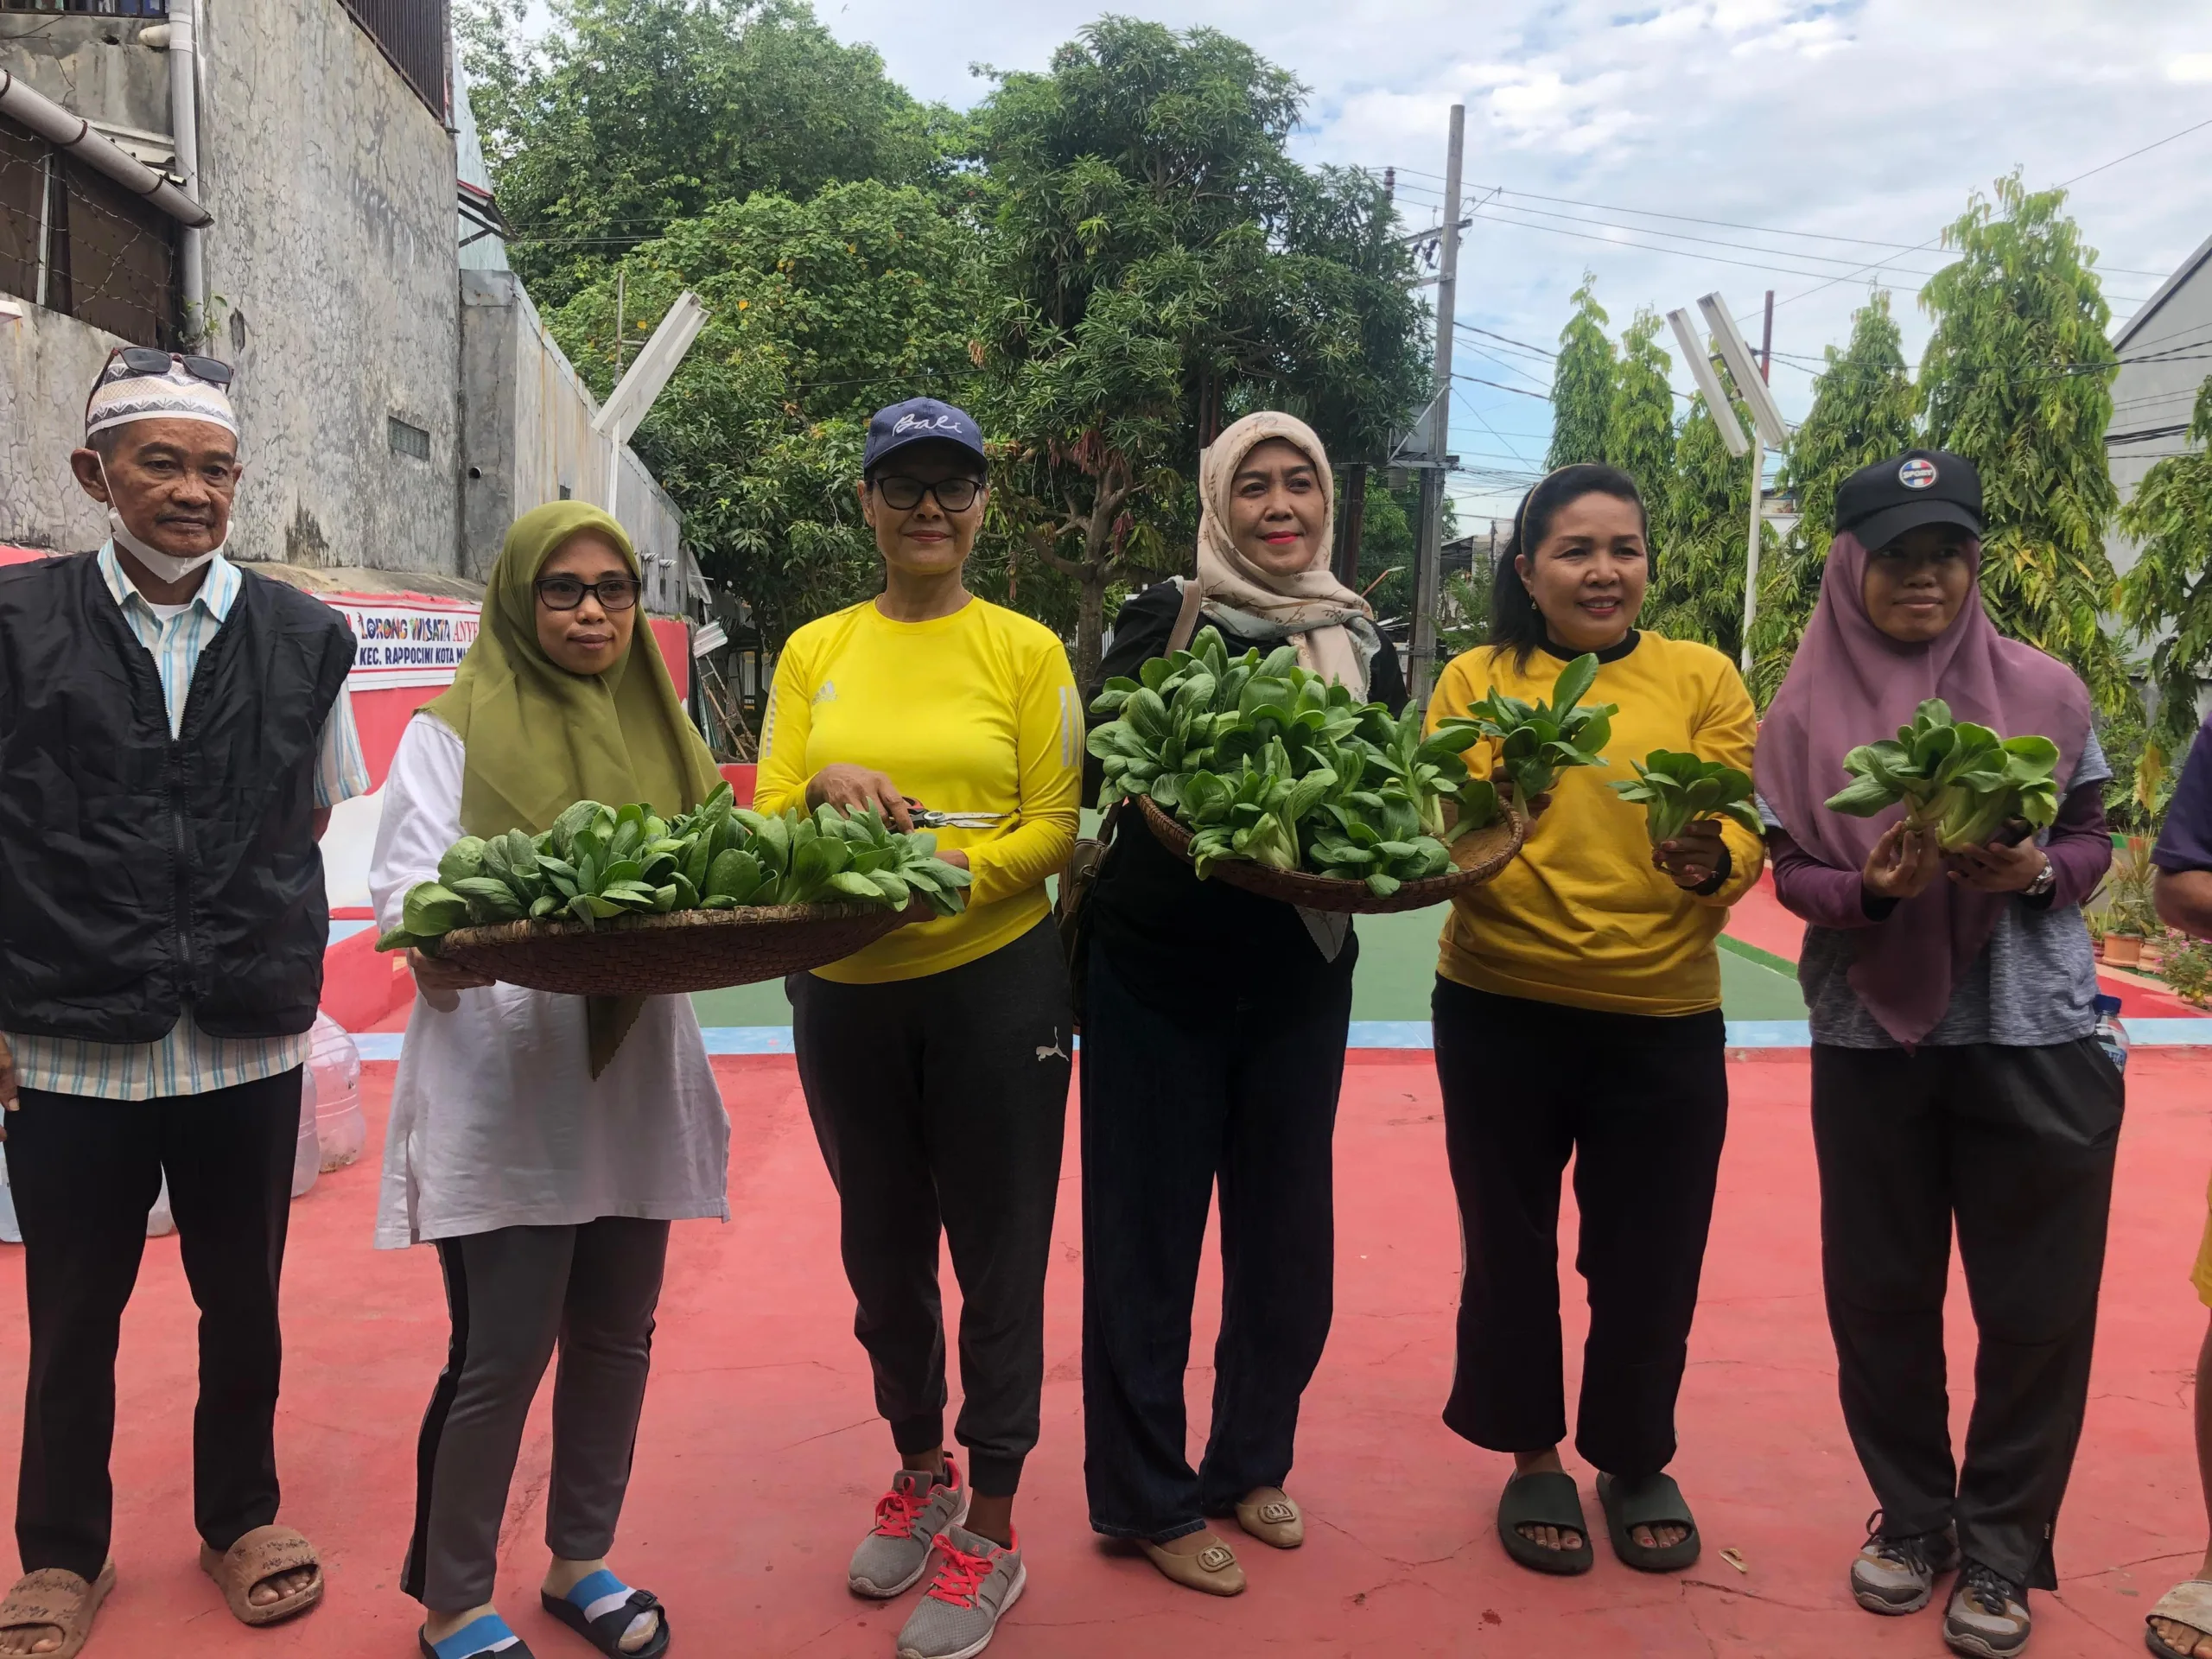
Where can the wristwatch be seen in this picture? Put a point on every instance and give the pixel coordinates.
(2046, 878)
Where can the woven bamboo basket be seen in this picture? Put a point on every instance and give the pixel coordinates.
(1476, 857)
(669, 956)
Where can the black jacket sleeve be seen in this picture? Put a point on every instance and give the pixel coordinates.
(1386, 679)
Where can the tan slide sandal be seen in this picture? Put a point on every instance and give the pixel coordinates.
(1213, 1570)
(264, 1553)
(54, 1597)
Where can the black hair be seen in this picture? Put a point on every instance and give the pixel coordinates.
(1515, 624)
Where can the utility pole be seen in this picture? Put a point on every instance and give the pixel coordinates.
(1758, 499)
(1351, 511)
(1429, 557)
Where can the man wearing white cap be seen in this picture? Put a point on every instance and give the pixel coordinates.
(173, 732)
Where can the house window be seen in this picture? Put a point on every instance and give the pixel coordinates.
(407, 440)
(412, 34)
(76, 242)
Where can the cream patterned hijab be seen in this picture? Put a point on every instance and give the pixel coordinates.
(1332, 626)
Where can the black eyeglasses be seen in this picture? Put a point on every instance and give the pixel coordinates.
(903, 493)
(566, 592)
(144, 359)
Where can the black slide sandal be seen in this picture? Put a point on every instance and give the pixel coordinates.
(606, 1632)
(1546, 1499)
(1654, 1502)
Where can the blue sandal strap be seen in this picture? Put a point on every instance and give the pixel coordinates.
(618, 1607)
(478, 1639)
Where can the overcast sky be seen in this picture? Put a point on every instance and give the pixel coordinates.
(1868, 119)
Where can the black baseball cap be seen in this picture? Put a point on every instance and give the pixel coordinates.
(1878, 504)
(920, 420)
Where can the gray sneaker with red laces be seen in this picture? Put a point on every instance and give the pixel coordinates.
(975, 1583)
(908, 1519)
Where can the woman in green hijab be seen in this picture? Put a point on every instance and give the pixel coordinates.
(542, 1145)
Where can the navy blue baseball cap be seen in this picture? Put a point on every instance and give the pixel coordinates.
(920, 420)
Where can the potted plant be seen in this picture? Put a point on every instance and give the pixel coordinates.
(2129, 916)
(2097, 936)
(2189, 973)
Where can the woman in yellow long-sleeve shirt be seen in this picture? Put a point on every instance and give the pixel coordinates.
(936, 1061)
(1578, 1012)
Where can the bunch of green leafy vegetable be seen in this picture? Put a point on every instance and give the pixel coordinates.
(1267, 761)
(1537, 741)
(598, 862)
(1676, 790)
(1956, 778)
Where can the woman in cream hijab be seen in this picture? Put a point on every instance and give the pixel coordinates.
(1188, 1079)
(542, 1143)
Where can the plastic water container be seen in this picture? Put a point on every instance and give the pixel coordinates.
(2111, 1035)
(307, 1151)
(339, 1125)
(160, 1224)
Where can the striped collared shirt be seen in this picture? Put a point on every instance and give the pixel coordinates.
(187, 1061)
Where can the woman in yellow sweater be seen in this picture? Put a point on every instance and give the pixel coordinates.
(936, 1061)
(1578, 1013)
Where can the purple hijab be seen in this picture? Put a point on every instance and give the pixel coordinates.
(1851, 684)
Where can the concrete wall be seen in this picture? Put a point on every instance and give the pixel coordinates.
(2163, 362)
(332, 251)
(47, 362)
(527, 417)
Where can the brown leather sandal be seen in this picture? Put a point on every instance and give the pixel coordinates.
(55, 1598)
(264, 1553)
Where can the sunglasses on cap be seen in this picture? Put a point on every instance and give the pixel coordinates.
(146, 360)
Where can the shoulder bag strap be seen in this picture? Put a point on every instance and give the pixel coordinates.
(1186, 619)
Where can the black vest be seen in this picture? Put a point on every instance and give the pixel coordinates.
(141, 873)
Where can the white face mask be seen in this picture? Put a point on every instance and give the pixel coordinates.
(164, 567)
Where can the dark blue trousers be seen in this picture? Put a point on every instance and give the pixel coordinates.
(1242, 1093)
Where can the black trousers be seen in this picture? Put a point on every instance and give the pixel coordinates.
(1642, 1104)
(83, 1173)
(940, 1104)
(2015, 1146)
(1244, 1093)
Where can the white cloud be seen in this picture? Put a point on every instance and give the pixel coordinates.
(2190, 66)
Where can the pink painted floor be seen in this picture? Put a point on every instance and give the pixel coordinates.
(760, 1458)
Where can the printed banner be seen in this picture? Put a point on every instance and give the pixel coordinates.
(405, 641)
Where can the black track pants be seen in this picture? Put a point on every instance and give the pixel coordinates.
(940, 1103)
(2016, 1145)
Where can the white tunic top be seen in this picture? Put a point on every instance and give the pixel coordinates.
(496, 1120)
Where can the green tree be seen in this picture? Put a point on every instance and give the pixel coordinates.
(629, 115)
(1162, 265)
(2167, 593)
(822, 312)
(1640, 423)
(2017, 378)
(1863, 408)
(1582, 382)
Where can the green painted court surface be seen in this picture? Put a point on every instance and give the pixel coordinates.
(1397, 966)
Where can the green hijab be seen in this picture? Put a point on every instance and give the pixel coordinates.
(539, 739)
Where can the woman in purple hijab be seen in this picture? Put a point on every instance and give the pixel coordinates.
(1955, 1075)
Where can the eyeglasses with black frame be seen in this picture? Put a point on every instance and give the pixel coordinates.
(903, 494)
(566, 592)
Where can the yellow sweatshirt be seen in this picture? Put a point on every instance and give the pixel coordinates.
(1581, 918)
(974, 712)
